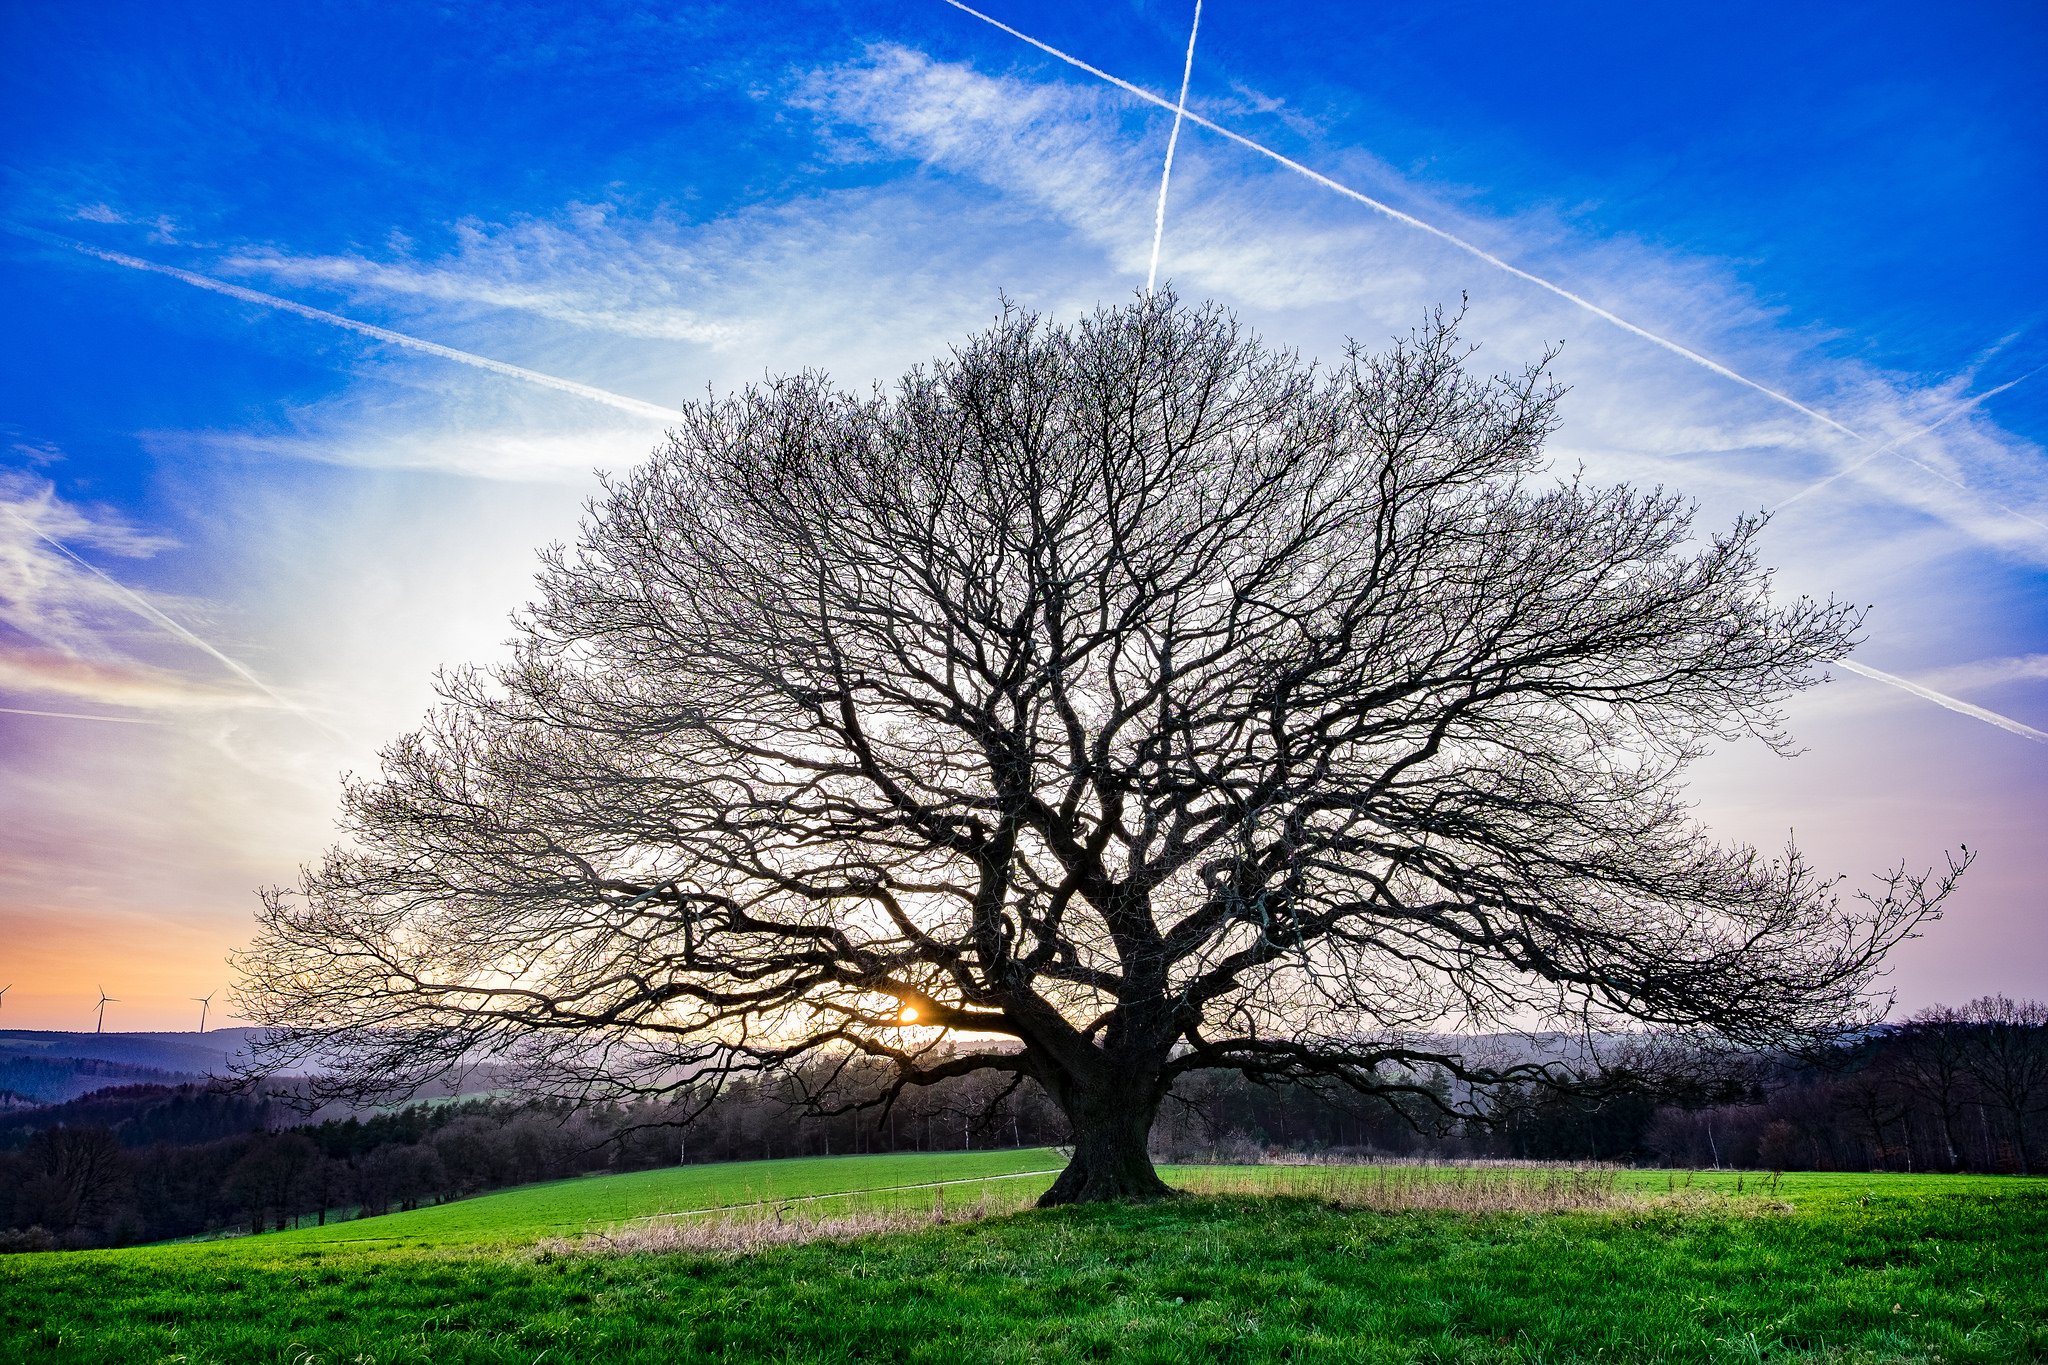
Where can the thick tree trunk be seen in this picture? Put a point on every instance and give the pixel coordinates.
(1112, 1126)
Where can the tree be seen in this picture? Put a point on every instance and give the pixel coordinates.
(74, 1176)
(2006, 1054)
(1128, 696)
(271, 1180)
(1933, 1056)
(1876, 1097)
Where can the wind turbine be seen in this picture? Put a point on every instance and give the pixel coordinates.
(3, 992)
(105, 1000)
(204, 1001)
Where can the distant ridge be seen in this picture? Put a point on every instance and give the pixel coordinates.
(211, 1053)
(52, 1068)
(44, 1068)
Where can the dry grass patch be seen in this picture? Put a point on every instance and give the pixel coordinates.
(736, 1232)
(1396, 1188)
(1391, 1189)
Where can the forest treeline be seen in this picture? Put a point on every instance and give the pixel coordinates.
(1950, 1090)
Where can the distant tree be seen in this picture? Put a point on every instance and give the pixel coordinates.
(474, 1154)
(1127, 691)
(73, 1177)
(2007, 1056)
(1932, 1061)
(400, 1174)
(1876, 1098)
(1549, 1125)
(271, 1181)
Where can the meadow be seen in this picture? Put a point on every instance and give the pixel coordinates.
(573, 1208)
(867, 1259)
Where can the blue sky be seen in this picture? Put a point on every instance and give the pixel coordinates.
(1840, 202)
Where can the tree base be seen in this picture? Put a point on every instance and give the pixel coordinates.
(1097, 1175)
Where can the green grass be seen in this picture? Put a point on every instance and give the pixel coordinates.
(567, 1208)
(1861, 1268)
(1831, 1189)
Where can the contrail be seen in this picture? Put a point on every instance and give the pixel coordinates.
(75, 715)
(236, 291)
(142, 605)
(1414, 222)
(1179, 112)
(1891, 447)
(1943, 699)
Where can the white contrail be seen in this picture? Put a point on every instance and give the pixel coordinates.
(75, 715)
(236, 291)
(150, 612)
(1889, 446)
(1179, 112)
(1943, 699)
(1415, 222)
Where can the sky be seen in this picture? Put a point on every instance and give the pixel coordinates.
(322, 317)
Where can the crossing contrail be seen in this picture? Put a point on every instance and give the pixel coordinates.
(235, 291)
(75, 715)
(1414, 222)
(1943, 699)
(1891, 447)
(142, 605)
(1179, 112)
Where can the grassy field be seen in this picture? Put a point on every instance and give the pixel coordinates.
(1270, 1264)
(568, 1208)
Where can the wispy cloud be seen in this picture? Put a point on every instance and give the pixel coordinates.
(1891, 447)
(48, 596)
(590, 391)
(80, 616)
(1048, 189)
(48, 672)
(1180, 111)
(1270, 243)
(585, 272)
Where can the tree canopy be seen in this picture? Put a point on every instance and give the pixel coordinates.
(1128, 695)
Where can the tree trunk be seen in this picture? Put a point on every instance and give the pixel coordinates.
(1112, 1123)
(1948, 1137)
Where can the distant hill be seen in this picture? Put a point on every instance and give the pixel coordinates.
(53, 1080)
(44, 1068)
(51, 1068)
(208, 1053)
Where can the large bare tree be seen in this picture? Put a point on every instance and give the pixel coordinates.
(1106, 701)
